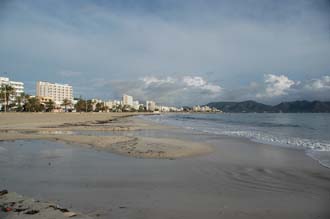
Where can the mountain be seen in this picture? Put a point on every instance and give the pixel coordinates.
(237, 107)
(303, 107)
(285, 107)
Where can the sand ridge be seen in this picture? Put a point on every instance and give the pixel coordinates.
(65, 126)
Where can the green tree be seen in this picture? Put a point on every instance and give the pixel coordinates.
(33, 105)
(89, 105)
(20, 101)
(142, 108)
(80, 106)
(66, 103)
(50, 105)
(105, 108)
(83, 106)
(7, 93)
(98, 107)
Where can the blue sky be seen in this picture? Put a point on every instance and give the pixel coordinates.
(175, 52)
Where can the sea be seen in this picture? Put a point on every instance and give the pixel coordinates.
(305, 131)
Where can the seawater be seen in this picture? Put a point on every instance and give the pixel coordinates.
(306, 131)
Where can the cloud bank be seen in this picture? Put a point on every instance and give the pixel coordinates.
(223, 48)
(191, 90)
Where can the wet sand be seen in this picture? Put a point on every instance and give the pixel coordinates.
(63, 127)
(239, 179)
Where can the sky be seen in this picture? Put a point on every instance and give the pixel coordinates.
(176, 52)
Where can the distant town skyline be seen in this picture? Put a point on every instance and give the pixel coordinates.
(174, 52)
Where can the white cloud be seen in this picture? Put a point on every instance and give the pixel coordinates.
(154, 80)
(185, 82)
(199, 82)
(319, 84)
(174, 90)
(194, 81)
(191, 90)
(276, 86)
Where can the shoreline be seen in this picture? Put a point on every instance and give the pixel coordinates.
(314, 155)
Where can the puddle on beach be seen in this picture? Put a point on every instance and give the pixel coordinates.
(77, 177)
(114, 186)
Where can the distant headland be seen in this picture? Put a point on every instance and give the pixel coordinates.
(250, 106)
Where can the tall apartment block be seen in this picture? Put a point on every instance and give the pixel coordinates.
(18, 86)
(56, 92)
(151, 105)
(127, 100)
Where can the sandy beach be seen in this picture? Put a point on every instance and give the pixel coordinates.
(62, 127)
(76, 161)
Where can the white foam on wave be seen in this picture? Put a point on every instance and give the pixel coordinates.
(323, 157)
(299, 143)
(315, 149)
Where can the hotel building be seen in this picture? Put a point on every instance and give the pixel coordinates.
(151, 105)
(18, 86)
(127, 100)
(54, 91)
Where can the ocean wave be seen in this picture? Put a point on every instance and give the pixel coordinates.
(307, 133)
(253, 132)
(268, 124)
(234, 122)
(295, 142)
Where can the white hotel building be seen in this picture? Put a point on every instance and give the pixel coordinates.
(151, 105)
(127, 100)
(54, 91)
(18, 86)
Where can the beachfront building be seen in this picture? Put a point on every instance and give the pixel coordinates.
(110, 104)
(127, 100)
(204, 109)
(150, 105)
(18, 86)
(56, 92)
(18, 90)
(196, 108)
(136, 105)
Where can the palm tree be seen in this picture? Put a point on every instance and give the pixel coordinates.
(80, 106)
(2, 95)
(66, 102)
(50, 105)
(19, 100)
(6, 93)
(33, 105)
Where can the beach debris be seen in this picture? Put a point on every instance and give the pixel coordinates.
(3, 192)
(64, 210)
(20, 209)
(32, 212)
(6, 209)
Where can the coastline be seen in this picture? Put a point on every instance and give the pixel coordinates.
(238, 178)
